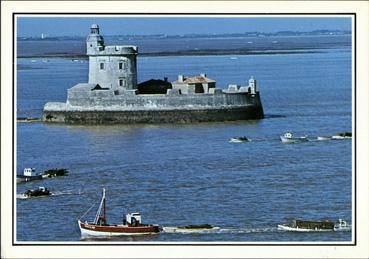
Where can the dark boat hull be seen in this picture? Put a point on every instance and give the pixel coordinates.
(23, 178)
(37, 193)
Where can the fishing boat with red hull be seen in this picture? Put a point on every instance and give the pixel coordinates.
(131, 225)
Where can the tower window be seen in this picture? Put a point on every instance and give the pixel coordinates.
(122, 82)
(102, 66)
(122, 65)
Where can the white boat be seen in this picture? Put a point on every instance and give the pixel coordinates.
(314, 226)
(289, 138)
(297, 229)
(344, 135)
(131, 225)
(29, 174)
(341, 225)
(239, 140)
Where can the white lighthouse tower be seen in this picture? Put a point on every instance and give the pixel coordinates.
(94, 42)
(252, 85)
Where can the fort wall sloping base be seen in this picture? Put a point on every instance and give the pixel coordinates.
(155, 116)
(90, 107)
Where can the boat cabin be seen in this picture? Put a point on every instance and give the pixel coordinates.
(288, 135)
(42, 189)
(133, 219)
(29, 172)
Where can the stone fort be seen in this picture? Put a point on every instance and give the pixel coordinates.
(113, 96)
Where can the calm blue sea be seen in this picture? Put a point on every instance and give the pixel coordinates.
(190, 174)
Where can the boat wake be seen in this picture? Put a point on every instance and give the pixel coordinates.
(59, 193)
(22, 196)
(71, 192)
(189, 231)
(347, 228)
(218, 230)
(25, 197)
(247, 230)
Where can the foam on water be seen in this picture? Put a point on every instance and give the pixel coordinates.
(56, 193)
(218, 230)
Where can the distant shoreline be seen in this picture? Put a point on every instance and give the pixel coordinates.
(200, 36)
(188, 53)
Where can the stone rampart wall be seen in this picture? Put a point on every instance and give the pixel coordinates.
(101, 99)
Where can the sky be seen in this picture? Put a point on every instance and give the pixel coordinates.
(79, 26)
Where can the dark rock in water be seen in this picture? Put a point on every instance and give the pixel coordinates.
(206, 226)
(56, 172)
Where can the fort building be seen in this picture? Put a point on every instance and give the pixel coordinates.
(112, 94)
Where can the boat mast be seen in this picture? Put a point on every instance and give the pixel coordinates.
(104, 212)
(102, 206)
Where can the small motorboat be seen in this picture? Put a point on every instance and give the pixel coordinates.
(344, 135)
(29, 174)
(341, 225)
(309, 225)
(190, 228)
(28, 119)
(239, 139)
(289, 138)
(41, 191)
(55, 172)
(100, 228)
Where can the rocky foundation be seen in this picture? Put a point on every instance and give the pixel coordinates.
(154, 116)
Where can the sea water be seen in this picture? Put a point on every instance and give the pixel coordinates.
(177, 174)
